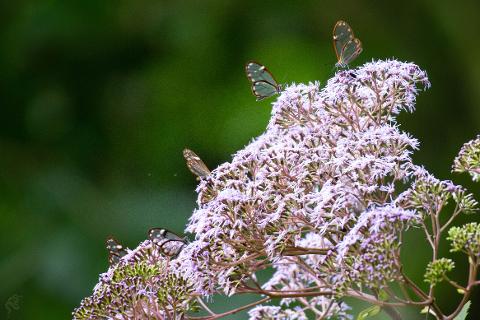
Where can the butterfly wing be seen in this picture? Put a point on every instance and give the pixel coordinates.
(160, 235)
(157, 235)
(350, 51)
(113, 258)
(168, 242)
(173, 237)
(342, 34)
(195, 164)
(264, 84)
(115, 250)
(258, 72)
(262, 90)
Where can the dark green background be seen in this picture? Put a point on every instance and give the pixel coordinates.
(98, 99)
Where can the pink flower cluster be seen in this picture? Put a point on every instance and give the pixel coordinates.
(320, 199)
(314, 197)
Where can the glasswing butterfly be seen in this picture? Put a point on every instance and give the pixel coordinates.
(346, 46)
(195, 164)
(115, 250)
(264, 84)
(169, 243)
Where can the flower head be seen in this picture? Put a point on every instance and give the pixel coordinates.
(141, 285)
(321, 198)
(328, 167)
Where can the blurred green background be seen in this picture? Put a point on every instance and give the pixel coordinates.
(98, 99)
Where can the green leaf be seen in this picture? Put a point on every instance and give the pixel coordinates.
(369, 312)
(463, 314)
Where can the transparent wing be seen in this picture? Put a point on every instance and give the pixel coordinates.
(350, 51)
(168, 242)
(195, 164)
(115, 250)
(173, 236)
(113, 245)
(156, 235)
(258, 72)
(342, 34)
(172, 248)
(159, 235)
(113, 258)
(262, 90)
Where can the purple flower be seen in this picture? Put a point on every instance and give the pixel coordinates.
(321, 198)
(142, 285)
(327, 166)
(468, 159)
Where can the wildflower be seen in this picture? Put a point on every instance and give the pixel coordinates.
(436, 270)
(326, 168)
(466, 239)
(321, 198)
(141, 285)
(468, 160)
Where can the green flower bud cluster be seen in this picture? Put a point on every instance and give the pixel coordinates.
(466, 239)
(436, 270)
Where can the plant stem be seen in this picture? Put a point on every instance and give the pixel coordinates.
(392, 312)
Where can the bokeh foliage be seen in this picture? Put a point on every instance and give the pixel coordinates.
(98, 99)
